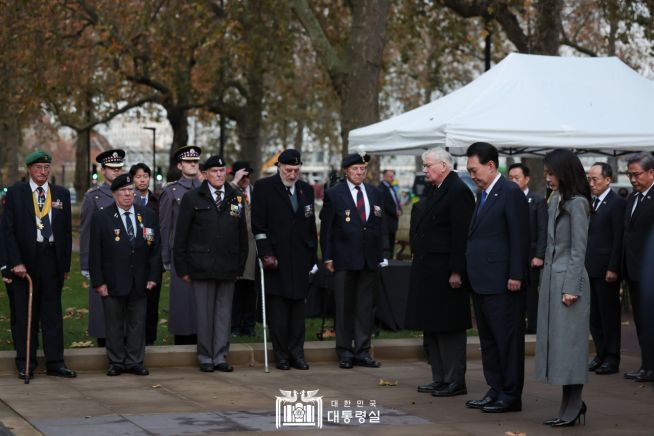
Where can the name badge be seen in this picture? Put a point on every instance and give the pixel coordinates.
(377, 211)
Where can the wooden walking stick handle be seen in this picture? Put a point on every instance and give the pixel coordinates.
(29, 328)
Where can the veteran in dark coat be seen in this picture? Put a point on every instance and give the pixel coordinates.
(37, 236)
(284, 227)
(97, 198)
(125, 264)
(439, 301)
(351, 240)
(181, 310)
(211, 246)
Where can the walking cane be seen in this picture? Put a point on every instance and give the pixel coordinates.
(265, 324)
(29, 328)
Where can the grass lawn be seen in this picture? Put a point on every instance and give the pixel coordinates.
(75, 306)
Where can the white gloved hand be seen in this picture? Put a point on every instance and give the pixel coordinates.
(314, 269)
(86, 275)
(383, 263)
(166, 266)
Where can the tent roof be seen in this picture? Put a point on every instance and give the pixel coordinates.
(527, 104)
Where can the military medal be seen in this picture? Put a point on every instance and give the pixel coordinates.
(117, 233)
(43, 211)
(347, 215)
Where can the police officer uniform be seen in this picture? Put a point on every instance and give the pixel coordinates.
(125, 257)
(37, 234)
(211, 246)
(181, 312)
(96, 198)
(351, 238)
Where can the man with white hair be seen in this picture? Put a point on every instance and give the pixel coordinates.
(438, 302)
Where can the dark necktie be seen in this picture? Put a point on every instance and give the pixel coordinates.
(361, 204)
(46, 231)
(144, 201)
(484, 194)
(596, 203)
(219, 199)
(639, 198)
(130, 228)
(293, 199)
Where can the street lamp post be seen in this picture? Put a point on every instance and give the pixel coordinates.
(154, 152)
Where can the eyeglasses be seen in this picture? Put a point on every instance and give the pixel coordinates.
(634, 175)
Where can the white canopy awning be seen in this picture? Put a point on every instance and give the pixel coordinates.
(528, 104)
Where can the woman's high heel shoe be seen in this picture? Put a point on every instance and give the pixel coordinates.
(573, 421)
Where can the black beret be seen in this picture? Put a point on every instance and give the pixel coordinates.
(290, 156)
(213, 161)
(241, 164)
(120, 182)
(111, 158)
(355, 159)
(189, 153)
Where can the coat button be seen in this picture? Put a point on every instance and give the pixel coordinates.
(364, 228)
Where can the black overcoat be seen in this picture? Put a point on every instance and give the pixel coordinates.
(439, 230)
(290, 236)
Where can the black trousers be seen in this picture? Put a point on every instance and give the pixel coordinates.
(532, 299)
(354, 294)
(285, 318)
(244, 306)
(152, 314)
(46, 311)
(605, 319)
(124, 319)
(389, 251)
(647, 353)
(500, 321)
(446, 353)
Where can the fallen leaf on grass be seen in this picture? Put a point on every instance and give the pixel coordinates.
(515, 433)
(163, 321)
(383, 382)
(82, 344)
(85, 285)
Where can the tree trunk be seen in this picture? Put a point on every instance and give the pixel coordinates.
(178, 119)
(248, 128)
(11, 143)
(82, 163)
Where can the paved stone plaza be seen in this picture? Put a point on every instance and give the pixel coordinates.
(184, 401)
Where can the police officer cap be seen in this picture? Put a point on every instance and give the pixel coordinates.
(241, 164)
(214, 161)
(355, 159)
(189, 153)
(290, 156)
(121, 181)
(111, 158)
(39, 156)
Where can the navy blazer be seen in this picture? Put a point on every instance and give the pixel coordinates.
(114, 262)
(605, 231)
(498, 240)
(19, 227)
(351, 244)
(636, 230)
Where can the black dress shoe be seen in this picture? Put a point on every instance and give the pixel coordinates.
(367, 361)
(21, 374)
(299, 364)
(479, 404)
(646, 377)
(114, 371)
(206, 367)
(450, 390)
(606, 368)
(431, 387)
(501, 406)
(595, 363)
(138, 370)
(283, 365)
(345, 364)
(62, 372)
(224, 367)
(633, 375)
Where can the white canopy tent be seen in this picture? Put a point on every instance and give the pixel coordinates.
(528, 104)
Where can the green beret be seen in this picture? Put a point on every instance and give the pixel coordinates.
(39, 156)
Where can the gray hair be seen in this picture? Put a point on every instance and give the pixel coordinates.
(644, 159)
(439, 154)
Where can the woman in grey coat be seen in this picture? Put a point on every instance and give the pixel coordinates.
(564, 303)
